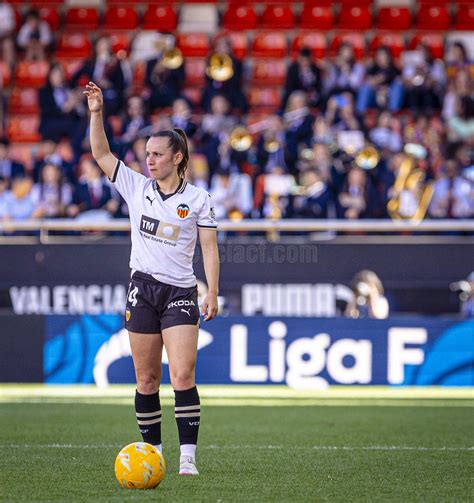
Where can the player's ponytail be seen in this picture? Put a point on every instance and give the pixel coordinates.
(178, 142)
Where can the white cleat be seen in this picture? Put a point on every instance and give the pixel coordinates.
(187, 466)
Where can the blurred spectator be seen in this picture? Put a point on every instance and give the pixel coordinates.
(381, 86)
(92, 192)
(344, 74)
(4, 197)
(271, 147)
(136, 120)
(231, 89)
(9, 169)
(60, 107)
(461, 126)
(34, 36)
(424, 79)
(314, 198)
(49, 153)
(303, 75)
(340, 114)
(369, 300)
(231, 194)
(105, 69)
(385, 135)
(453, 195)
(52, 194)
(20, 202)
(322, 132)
(181, 117)
(458, 88)
(272, 193)
(357, 196)
(163, 83)
(198, 170)
(425, 132)
(7, 29)
(457, 60)
(135, 156)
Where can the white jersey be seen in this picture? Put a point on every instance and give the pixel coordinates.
(164, 227)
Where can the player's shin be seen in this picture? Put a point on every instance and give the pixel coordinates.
(148, 411)
(188, 415)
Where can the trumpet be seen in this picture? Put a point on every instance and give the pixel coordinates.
(220, 67)
(367, 158)
(172, 58)
(240, 139)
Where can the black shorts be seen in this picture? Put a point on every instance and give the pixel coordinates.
(153, 306)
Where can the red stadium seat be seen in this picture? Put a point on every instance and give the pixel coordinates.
(51, 16)
(345, 3)
(239, 17)
(394, 41)
(355, 18)
(464, 18)
(433, 41)
(31, 73)
(194, 70)
(433, 18)
(120, 41)
(120, 18)
(264, 99)
(43, 3)
(73, 45)
(23, 129)
(193, 44)
(357, 41)
(317, 18)
(71, 66)
(277, 17)
(270, 72)
(162, 18)
(23, 101)
(314, 41)
(80, 18)
(239, 43)
(5, 74)
(269, 45)
(394, 18)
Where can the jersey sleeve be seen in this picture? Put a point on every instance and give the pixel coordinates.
(125, 180)
(207, 217)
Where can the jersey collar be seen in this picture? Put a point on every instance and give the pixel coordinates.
(179, 190)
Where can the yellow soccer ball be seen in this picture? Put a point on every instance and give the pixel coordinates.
(139, 466)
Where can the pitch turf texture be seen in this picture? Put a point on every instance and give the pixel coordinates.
(256, 444)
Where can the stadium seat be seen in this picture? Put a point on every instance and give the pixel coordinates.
(23, 129)
(277, 17)
(394, 41)
(355, 18)
(357, 41)
(464, 18)
(394, 18)
(161, 18)
(198, 18)
(264, 99)
(269, 45)
(270, 72)
(314, 41)
(194, 70)
(51, 16)
(80, 18)
(345, 3)
(23, 101)
(193, 44)
(42, 3)
(239, 17)
(316, 18)
(239, 43)
(120, 41)
(120, 18)
(73, 45)
(432, 18)
(71, 66)
(433, 41)
(31, 73)
(5, 74)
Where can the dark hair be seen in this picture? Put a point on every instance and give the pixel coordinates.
(305, 52)
(177, 142)
(462, 48)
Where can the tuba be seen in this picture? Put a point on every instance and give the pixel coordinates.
(220, 67)
(367, 158)
(172, 58)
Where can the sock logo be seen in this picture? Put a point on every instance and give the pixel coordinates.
(193, 423)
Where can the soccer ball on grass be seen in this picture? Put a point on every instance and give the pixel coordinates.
(139, 466)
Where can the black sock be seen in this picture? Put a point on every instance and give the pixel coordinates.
(148, 410)
(187, 412)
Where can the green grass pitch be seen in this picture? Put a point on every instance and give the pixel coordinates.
(256, 444)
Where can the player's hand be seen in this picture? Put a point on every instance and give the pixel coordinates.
(95, 99)
(210, 306)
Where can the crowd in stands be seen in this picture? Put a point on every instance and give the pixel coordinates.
(371, 137)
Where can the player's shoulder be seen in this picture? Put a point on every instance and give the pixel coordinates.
(196, 192)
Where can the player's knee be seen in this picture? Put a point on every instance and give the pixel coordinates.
(147, 382)
(182, 379)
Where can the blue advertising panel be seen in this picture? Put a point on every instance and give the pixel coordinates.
(304, 353)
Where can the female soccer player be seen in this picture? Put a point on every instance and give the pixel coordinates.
(162, 308)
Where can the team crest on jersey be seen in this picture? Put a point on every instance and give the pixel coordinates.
(183, 210)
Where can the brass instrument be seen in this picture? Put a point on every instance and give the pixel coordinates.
(408, 189)
(240, 139)
(367, 158)
(172, 58)
(220, 67)
(271, 146)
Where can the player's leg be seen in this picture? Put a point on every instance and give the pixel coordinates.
(147, 352)
(181, 346)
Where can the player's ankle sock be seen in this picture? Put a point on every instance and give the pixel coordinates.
(148, 410)
(188, 450)
(159, 448)
(187, 412)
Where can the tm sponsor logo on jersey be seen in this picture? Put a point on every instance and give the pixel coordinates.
(181, 303)
(168, 233)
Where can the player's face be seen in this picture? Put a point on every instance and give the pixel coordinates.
(160, 159)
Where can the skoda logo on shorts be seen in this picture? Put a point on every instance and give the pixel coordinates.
(183, 210)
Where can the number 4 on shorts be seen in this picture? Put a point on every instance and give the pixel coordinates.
(132, 296)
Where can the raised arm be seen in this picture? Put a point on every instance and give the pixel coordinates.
(99, 144)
